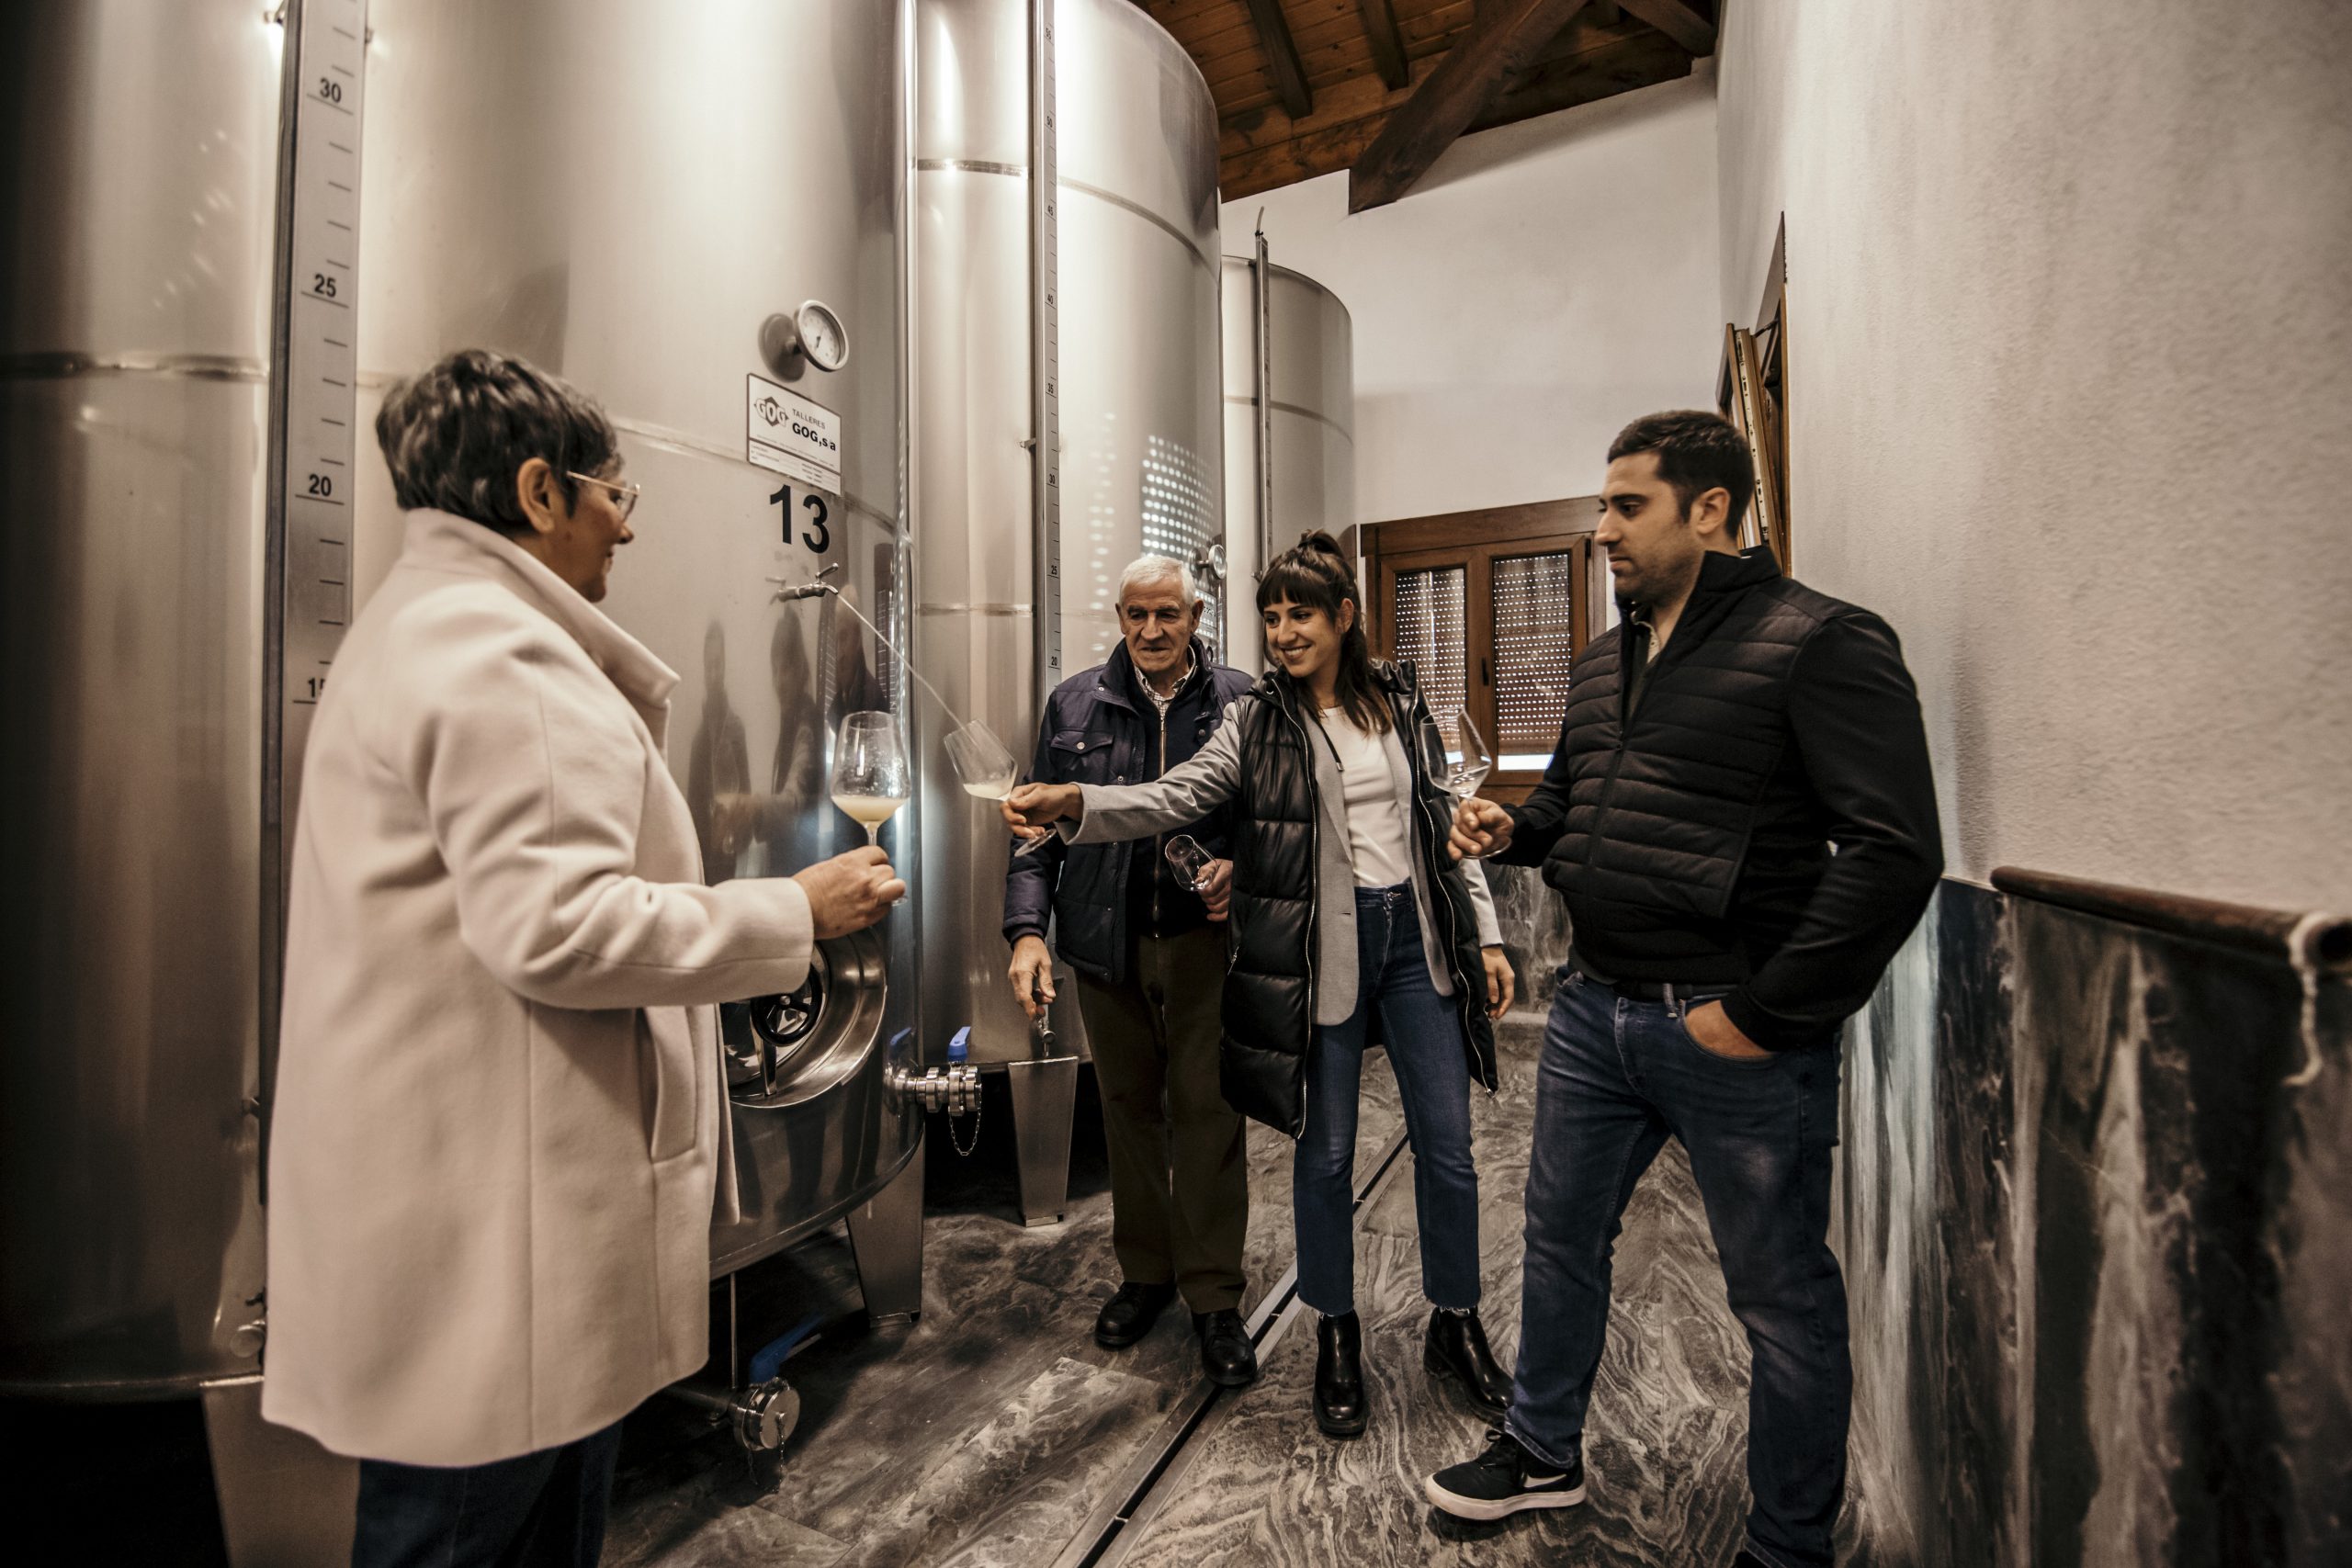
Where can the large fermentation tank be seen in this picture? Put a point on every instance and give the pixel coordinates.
(645, 239)
(1290, 452)
(1066, 389)
(230, 227)
(137, 188)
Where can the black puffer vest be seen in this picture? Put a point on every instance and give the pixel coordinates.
(1690, 832)
(1270, 982)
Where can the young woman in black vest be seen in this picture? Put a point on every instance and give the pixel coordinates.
(1345, 907)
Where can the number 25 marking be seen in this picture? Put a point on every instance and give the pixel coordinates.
(822, 538)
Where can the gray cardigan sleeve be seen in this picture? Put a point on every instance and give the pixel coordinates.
(1115, 812)
(1490, 931)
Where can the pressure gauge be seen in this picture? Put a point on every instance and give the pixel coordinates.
(822, 337)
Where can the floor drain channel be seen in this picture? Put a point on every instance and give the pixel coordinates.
(1101, 1542)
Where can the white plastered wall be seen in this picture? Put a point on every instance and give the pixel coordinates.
(2070, 344)
(1543, 284)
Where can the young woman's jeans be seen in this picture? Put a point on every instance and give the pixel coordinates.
(536, 1510)
(1618, 1076)
(1422, 1032)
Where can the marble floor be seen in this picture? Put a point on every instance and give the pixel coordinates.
(994, 1431)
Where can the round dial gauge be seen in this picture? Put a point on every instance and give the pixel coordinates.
(822, 337)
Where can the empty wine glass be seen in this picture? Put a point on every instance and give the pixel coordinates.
(1454, 755)
(870, 775)
(1190, 861)
(985, 767)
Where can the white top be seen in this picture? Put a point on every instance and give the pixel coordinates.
(1378, 844)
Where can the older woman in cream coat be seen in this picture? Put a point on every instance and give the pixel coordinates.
(501, 1126)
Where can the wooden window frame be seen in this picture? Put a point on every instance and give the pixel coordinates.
(1752, 388)
(1474, 541)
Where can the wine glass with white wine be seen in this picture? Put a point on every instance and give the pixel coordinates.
(1455, 755)
(871, 780)
(987, 768)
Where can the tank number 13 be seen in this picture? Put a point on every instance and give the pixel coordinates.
(815, 536)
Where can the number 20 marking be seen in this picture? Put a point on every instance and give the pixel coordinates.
(822, 538)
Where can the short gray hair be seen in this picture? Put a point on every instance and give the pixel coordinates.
(454, 435)
(1153, 568)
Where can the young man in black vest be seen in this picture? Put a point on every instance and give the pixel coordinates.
(1149, 955)
(1742, 821)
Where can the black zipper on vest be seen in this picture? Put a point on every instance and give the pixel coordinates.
(1625, 728)
(1465, 990)
(1314, 905)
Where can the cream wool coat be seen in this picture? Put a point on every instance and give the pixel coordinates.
(500, 1117)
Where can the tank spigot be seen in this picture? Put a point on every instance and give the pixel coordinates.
(809, 589)
(761, 1416)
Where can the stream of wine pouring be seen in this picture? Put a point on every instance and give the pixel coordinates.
(786, 591)
(812, 590)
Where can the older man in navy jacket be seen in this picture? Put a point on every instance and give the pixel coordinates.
(1149, 956)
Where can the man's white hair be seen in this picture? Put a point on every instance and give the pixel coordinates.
(1158, 569)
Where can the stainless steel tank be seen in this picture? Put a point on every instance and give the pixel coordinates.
(1289, 427)
(231, 228)
(138, 186)
(651, 240)
(1066, 420)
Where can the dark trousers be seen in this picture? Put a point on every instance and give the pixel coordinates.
(1423, 1033)
(1617, 1077)
(1180, 1185)
(538, 1510)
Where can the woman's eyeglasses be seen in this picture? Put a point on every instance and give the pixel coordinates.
(624, 493)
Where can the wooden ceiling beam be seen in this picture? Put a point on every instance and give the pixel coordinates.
(1642, 60)
(1678, 19)
(1388, 43)
(1504, 39)
(1282, 58)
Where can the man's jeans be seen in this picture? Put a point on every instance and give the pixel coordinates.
(1617, 1077)
(536, 1510)
(1423, 1033)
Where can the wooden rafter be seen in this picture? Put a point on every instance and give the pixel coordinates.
(1388, 43)
(1680, 21)
(1282, 58)
(1504, 39)
(1581, 76)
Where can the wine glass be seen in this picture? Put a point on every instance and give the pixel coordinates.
(1190, 861)
(1454, 755)
(987, 769)
(870, 775)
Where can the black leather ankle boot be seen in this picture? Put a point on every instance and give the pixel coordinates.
(1457, 1350)
(1341, 1408)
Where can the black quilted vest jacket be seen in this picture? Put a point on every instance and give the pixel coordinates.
(1269, 1002)
(1691, 841)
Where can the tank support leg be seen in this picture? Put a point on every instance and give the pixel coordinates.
(1044, 1096)
(886, 1234)
(285, 1501)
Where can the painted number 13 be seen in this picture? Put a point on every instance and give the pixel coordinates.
(817, 537)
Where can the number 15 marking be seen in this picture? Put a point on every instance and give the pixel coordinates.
(819, 538)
